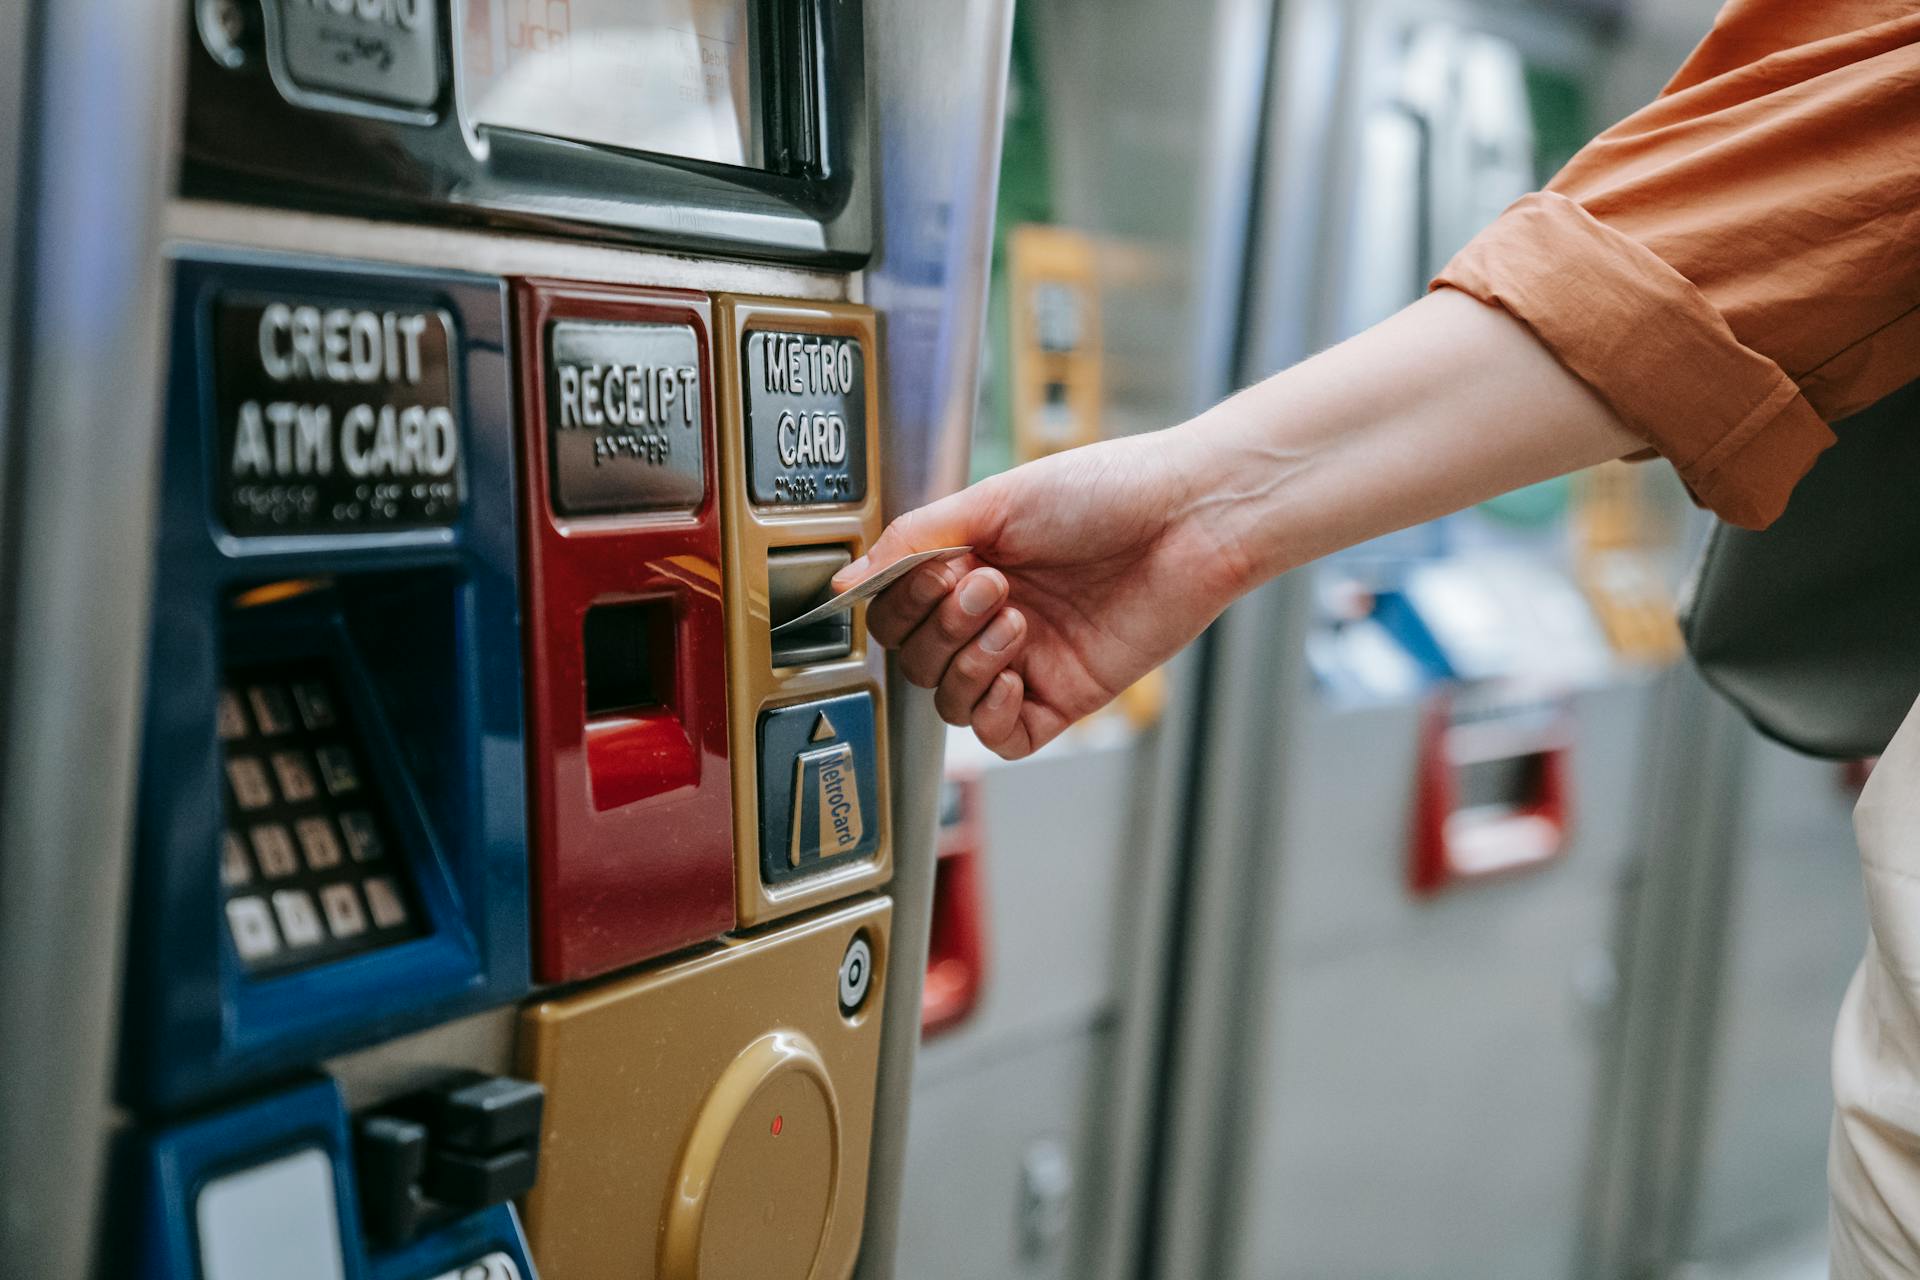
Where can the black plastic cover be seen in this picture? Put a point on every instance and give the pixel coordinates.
(1810, 626)
(260, 128)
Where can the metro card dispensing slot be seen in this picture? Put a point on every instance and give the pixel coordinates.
(800, 467)
(330, 833)
(632, 792)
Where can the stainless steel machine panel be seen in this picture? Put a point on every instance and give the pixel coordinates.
(1157, 181)
(1057, 843)
(1004, 1165)
(1423, 1091)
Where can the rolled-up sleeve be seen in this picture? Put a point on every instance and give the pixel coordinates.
(1738, 264)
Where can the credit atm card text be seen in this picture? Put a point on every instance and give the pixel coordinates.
(335, 417)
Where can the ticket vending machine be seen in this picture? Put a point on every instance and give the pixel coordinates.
(1416, 811)
(504, 895)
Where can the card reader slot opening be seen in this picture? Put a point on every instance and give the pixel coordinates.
(798, 578)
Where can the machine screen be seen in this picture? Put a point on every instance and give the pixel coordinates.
(308, 861)
(674, 77)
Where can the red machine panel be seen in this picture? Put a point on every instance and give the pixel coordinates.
(1493, 795)
(627, 728)
(957, 938)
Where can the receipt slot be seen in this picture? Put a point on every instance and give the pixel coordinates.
(710, 1120)
(800, 473)
(330, 822)
(632, 796)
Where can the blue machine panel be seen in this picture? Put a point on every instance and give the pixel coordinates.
(332, 843)
(268, 1189)
(216, 1193)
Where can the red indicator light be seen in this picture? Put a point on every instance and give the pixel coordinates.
(779, 1123)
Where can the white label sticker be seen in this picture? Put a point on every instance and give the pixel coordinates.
(495, 1266)
(276, 1219)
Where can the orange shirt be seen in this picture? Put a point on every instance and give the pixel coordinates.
(1737, 264)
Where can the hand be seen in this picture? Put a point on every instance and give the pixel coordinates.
(1088, 570)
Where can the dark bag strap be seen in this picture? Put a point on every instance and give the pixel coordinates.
(1812, 627)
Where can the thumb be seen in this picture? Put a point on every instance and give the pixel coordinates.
(952, 521)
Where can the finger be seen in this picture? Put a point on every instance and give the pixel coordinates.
(958, 618)
(959, 519)
(996, 717)
(996, 720)
(1039, 725)
(901, 538)
(895, 612)
(975, 666)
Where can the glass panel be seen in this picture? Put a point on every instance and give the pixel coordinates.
(675, 77)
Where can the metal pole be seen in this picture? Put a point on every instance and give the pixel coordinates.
(94, 155)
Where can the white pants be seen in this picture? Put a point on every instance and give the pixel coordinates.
(1873, 1161)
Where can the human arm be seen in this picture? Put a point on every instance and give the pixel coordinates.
(1727, 270)
(1090, 568)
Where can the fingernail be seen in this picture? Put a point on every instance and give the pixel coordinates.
(853, 572)
(1003, 631)
(978, 593)
(1001, 691)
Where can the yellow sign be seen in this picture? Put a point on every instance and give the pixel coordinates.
(826, 803)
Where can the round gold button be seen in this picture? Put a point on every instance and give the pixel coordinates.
(755, 1186)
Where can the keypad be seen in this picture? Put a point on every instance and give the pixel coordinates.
(307, 858)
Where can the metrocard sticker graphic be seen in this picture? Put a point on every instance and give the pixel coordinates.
(826, 798)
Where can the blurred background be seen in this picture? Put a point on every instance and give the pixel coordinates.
(1430, 919)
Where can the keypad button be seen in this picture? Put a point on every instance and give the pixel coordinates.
(274, 848)
(271, 710)
(315, 701)
(235, 868)
(232, 717)
(319, 843)
(252, 928)
(298, 920)
(250, 786)
(295, 775)
(304, 824)
(384, 901)
(341, 902)
(363, 835)
(337, 766)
